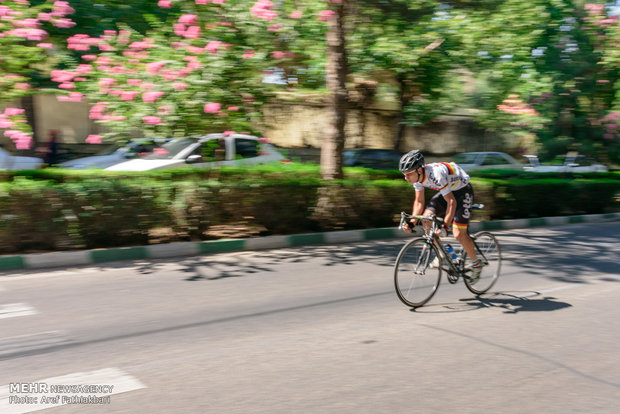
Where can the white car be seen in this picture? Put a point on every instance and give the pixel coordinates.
(474, 161)
(9, 161)
(564, 163)
(211, 150)
(115, 155)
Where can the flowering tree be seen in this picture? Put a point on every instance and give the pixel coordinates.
(202, 73)
(23, 45)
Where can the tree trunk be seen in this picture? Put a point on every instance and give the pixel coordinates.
(333, 143)
(406, 94)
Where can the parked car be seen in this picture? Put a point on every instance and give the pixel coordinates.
(379, 159)
(564, 163)
(207, 151)
(475, 161)
(9, 161)
(116, 154)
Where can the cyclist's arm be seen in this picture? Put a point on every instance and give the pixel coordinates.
(418, 204)
(450, 210)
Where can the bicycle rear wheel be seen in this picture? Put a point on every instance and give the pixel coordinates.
(416, 278)
(489, 251)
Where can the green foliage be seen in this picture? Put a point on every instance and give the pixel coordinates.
(86, 212)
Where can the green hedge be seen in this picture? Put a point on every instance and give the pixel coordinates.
(67, 213)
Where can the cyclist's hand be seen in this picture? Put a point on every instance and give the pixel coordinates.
(406, 227)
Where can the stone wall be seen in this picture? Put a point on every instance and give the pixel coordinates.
(303, 125)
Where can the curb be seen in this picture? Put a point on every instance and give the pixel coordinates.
(163, 251)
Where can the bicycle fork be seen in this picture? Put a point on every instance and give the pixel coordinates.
(422, 265)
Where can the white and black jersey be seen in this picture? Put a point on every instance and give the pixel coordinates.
(444, 177)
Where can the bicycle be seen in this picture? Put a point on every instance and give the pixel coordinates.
(420, 263)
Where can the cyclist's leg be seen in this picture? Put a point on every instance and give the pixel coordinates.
(464, 201)
(437, 206)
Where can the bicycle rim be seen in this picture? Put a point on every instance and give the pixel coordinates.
(490, 252)
(415, 279)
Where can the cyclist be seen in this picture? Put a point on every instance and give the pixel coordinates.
(453, 201)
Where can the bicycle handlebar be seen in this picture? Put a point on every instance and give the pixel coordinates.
(405, 218)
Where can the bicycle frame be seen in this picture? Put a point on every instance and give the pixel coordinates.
(454, 270)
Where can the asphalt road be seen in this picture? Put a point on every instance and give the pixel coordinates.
(319, 330)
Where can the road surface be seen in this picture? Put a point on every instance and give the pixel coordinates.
(318, 330)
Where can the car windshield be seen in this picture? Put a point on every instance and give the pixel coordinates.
(169, 150)
(465, 158)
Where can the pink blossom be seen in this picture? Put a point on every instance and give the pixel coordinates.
(134, 82)
(67, 85)
(295, 15)
(30, 34)
(63, 23)
(94, 139)
(151, 96)
(32, 23)
(5, 123)
(152, 120)
(233, 108)
(83, 69)
(274, 27)
(188, 19)
(202, 2)
(179, 29)
(154, 67)
(13, 111)
(106, 82)
(278, 54)
(104, 47)
(145, 44)
(192, 32)
(212, 107)
(72, 97)
(324, 15)
(129, 95)
(228, 133)
(22, 85)
(248, 54)
(179, 86)
(165, 4)
(195, 50)
(262, 10)
(164, 110)
(45, 45)
(62, 8)
(44, 17)
(213, 46)
(171, 75)
(89, 57)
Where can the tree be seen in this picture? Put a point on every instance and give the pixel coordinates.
(200, 72)
(23, 52)
(337, 68)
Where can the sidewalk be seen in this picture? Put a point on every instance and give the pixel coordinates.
(160, 251)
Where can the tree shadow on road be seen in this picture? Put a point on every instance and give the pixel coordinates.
(509, 302)
(566, 254)
(243, 264)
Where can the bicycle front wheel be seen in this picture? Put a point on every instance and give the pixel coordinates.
(489, 251)
(417, 273)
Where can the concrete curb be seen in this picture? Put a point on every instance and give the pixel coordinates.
(162, 251)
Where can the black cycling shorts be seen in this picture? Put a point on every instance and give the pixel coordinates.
(464, 200)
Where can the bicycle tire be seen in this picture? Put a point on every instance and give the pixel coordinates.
(413, 289)
(489, 248)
